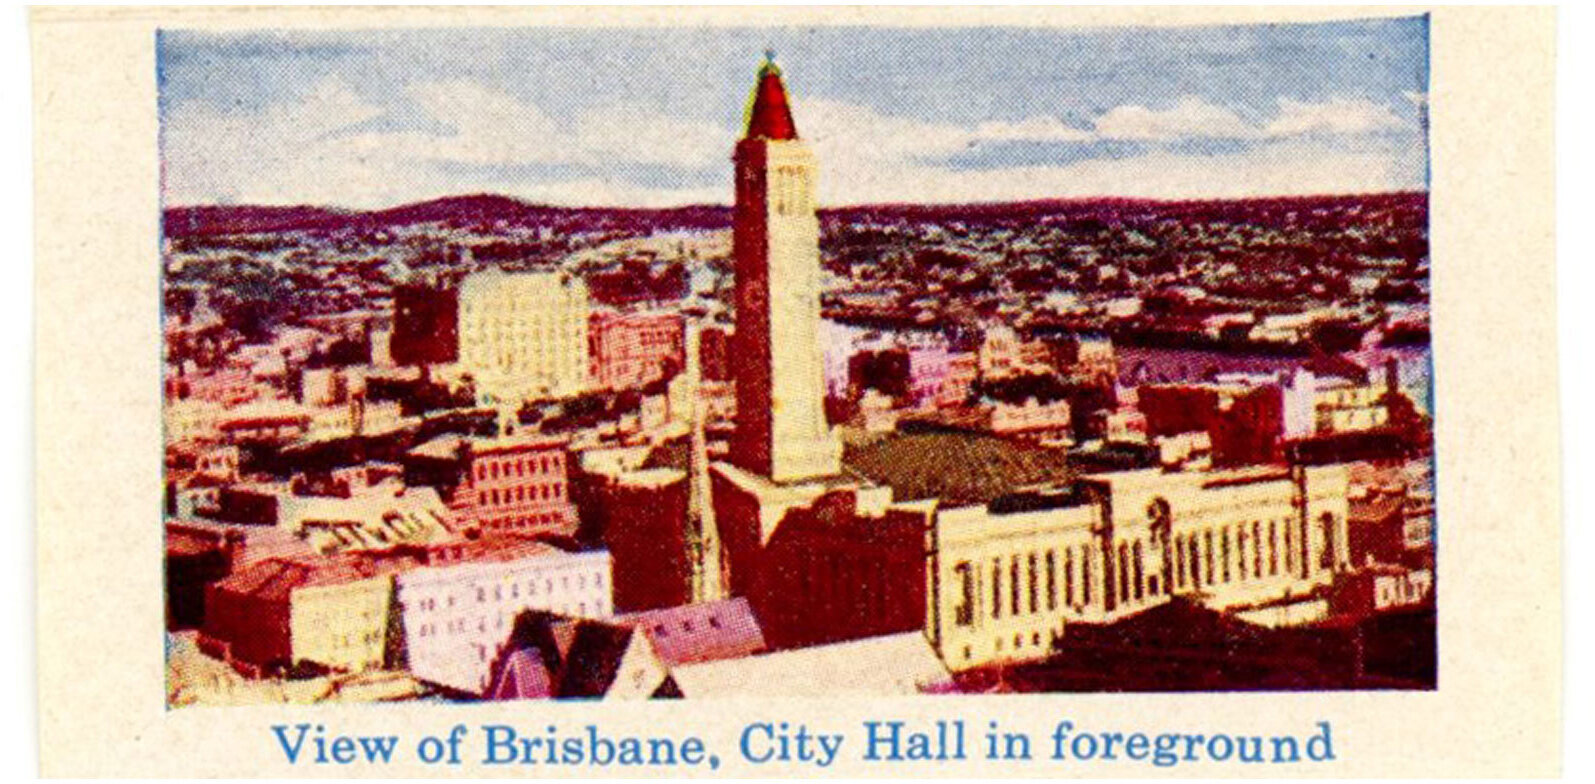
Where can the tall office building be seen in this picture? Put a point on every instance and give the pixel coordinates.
(523, 335)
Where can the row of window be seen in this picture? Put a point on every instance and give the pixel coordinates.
(1036, 644)
(520, 494)
(521, 466)
(789, 189)
(363, 640)
(522, 522)
(1238, 552)
(501, 591)
(1025, 583)
(481, 625)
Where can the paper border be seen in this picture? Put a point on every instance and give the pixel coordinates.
(101, 672)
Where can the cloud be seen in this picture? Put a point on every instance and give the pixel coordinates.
(333, 146)
(1273, 168)
(1335, 116)
(1190, 117)
(321, 148)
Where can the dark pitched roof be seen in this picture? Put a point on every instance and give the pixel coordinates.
(593, 659)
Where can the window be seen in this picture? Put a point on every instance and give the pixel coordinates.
(1179, 561)
(964, 613)
(1290, 550)
(1139, 573)
(1273, 548)
(1013, 584)
(1226, 553)
(1085, 573)
(1052, 580)
(1034, 584)
(1240, 560)
(1326, 523)
(1207, 549)
(1068, 577)
(1124, 572)
(996, 588)
(1257, 549)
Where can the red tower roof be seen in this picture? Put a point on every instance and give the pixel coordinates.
(769, 115)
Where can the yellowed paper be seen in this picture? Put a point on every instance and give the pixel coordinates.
(1100, 116)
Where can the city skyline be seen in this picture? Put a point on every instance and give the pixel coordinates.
(365, 120)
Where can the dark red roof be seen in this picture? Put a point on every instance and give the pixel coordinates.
(769, 114)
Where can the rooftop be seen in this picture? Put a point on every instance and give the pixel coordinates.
(959, 468)
(876, 666)
(707, 631)
(769, 112)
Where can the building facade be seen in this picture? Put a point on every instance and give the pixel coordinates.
(631, 350)
(782, 431)
(516, 484)
(523, 335)
(1005, 578)
(456, 616)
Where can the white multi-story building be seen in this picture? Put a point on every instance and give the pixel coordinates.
(456, 617)
(523, 335)
(1005, 579)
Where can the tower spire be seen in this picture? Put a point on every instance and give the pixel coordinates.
(769, 114)
(782, 433)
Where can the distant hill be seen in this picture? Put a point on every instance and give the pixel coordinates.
(472, 210)
(487, 209)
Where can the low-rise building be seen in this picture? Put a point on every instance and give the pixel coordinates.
(631, 350)
(1007, 576)
(279, 613)
(456, 616)
(549, 656)
(508, 485)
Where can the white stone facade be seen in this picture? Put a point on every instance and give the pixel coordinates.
(523, 335)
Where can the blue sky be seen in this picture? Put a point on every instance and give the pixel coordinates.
(648, 116)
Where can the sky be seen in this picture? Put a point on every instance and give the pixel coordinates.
(648, 117)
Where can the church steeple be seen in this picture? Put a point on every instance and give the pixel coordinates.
(769, 114)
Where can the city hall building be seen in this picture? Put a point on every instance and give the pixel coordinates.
(989, 544)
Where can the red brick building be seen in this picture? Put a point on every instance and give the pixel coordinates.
(714, 353)
(425, 325)
(1172, 409)
(827, 571)
(642, 517)
(1249, 428)
(1245, 425)
(630, 350)
(518, 485)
